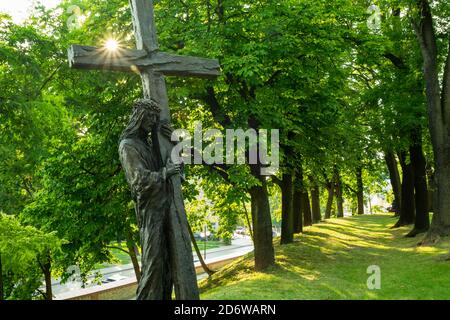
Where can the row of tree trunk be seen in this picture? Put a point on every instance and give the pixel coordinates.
(302, 208)
(411, 195)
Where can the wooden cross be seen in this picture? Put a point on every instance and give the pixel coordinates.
(153, 65)
(147, 60)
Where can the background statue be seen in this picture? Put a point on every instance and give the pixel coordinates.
(167, 260)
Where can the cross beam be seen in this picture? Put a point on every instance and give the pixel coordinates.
(87, 57)
(147, 60)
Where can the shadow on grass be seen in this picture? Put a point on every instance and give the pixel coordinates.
(330, 260)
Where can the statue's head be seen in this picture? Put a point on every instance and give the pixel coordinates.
(145, 116)
(147, 113)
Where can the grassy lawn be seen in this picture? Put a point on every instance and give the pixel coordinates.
(120, 257)
(209, 245)
(330, 260)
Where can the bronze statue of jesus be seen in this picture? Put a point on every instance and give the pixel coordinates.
(149, 178)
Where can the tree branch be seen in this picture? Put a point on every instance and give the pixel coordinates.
(50, 77)
(276, 180)
(214, 106)
(43, 294)
(118, 248)
(350, 188)
(396, 61)
(88, 171)
(220, 171)
(116, 171)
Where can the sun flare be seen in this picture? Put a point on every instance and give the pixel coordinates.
(112, 45)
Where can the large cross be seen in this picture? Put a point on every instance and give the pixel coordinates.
(147, 60)
(152, 65)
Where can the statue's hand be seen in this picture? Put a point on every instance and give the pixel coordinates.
(172, 169)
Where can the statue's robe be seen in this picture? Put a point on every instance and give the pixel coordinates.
(167, 260)
(151, 196)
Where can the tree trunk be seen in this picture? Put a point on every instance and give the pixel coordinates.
(305, 206)
(134, 260)
(438, 119)
(315, 201)
(407, 207)
(2, 295)
(422, 220)
(394, 176)
(330, 187)
(306, 209)
(249, 224)
(220, 10)
(262, 226)
(199, 254)
(339, 198)
(297, 210)
(430, 183)
(46, 268)
(287, 217)
(360, 190)
(440, 224)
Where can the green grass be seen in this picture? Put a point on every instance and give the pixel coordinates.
(330, 260)
(209, 245)
(120, 257)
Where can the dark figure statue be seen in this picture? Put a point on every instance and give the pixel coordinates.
(166, 251)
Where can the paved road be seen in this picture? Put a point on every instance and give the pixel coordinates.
(119, 272)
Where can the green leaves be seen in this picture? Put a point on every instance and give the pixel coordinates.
(339, 93)
(20, 245)
(21, 248)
